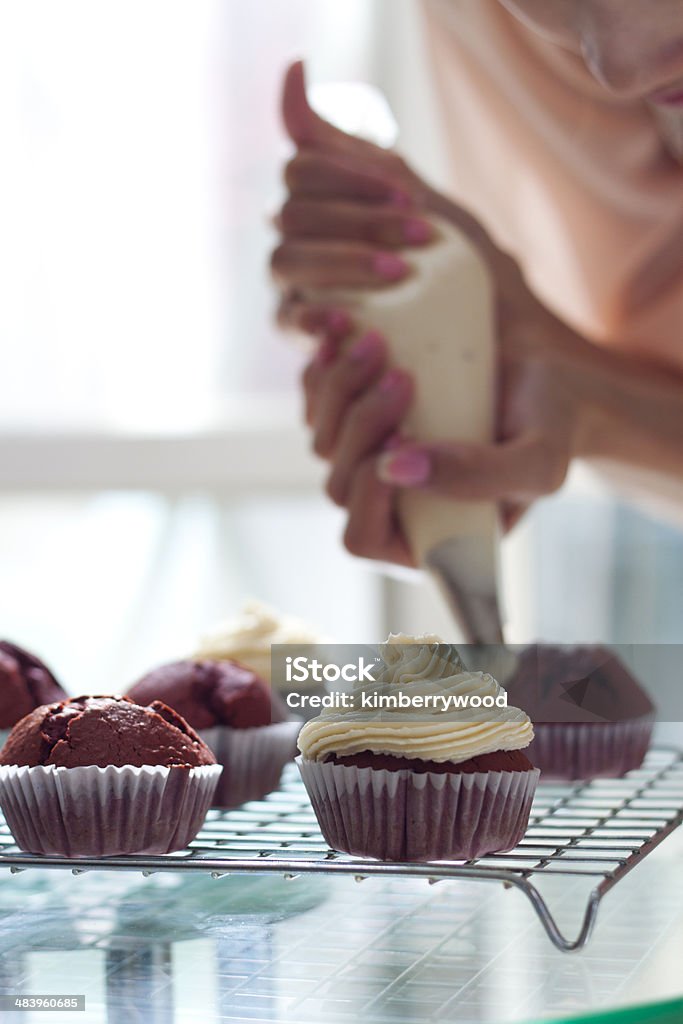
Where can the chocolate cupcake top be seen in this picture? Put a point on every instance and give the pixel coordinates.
(576, 684)
(25, 683)
(422, 704)
(104, 731)
(209, 693)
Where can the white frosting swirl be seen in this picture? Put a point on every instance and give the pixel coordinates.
(248, 637)
(420, 667)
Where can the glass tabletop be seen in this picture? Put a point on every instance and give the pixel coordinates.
(178, 949)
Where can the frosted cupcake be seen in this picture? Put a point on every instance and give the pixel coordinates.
(442, 777)
(248, 638)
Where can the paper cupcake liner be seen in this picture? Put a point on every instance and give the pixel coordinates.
(252, 759)
(104, 812)
(573, 751)
(407, 816)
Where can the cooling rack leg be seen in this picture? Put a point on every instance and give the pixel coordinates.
(550, 925)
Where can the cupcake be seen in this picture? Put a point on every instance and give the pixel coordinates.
(592, 719)
(25, 683)
(235, 714)
(102, 776)
(261, 638)
(423, 763)
(249, 637)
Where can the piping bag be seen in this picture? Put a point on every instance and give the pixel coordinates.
(439, 325)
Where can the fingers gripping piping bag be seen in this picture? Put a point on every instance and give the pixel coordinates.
(439, 325)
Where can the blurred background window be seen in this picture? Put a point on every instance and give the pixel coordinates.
(142, 153)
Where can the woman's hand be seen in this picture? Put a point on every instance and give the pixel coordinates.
(355, 403)
(351, 205)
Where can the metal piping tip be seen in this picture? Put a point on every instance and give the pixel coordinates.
(465, 570)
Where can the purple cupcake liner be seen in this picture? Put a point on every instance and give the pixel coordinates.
(252, 759)
(580, 750)
(105, 812)
(407, 816)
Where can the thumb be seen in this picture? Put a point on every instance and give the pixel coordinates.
(519, 469)
(306, 128)
(302, 124)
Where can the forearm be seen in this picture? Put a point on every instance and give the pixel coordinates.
(632, 412)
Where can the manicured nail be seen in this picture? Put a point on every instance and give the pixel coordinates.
(391, 382)
(338, 321)
(397, 197)
(409, 468)
(417, 231)
(366, 347)
(388, 266)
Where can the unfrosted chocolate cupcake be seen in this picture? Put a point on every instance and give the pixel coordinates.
(99, 776)
(209, 693)
(237, 715)
(25, 683)
(104, 731)
(592, 719)
(419, 780)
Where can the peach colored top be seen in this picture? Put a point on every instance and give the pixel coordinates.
(577, 184)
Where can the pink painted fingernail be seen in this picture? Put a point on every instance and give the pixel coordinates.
(397, 197)
(338, 321)
(407, 468)
(366, 347)
(417, 231)
(391, 382)
(389, 266)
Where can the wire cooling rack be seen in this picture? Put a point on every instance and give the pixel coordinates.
(599, 830)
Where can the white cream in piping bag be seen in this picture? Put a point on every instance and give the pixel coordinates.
(439, 325)
(419, 667)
